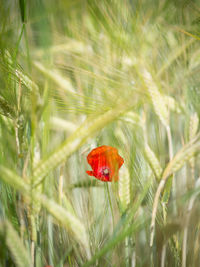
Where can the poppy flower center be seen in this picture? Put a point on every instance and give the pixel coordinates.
(106, 171)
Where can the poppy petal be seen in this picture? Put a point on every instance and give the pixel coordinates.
(90, 173)
(121, 161)
(99, 152)
(105, 163)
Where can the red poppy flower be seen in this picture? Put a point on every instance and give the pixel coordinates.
(105, 162)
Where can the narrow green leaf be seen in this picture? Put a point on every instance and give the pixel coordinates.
(22, 9)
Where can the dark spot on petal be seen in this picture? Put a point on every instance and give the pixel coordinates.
(106, 171)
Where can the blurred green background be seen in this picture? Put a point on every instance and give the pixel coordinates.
(79, 74)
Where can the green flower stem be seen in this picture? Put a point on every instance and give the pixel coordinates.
(110, 203)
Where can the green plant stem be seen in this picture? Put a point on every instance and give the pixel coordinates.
(60, 197)
(127, 251)
(164, 247)
(169, 137)
(110, 203)
(50, 239)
